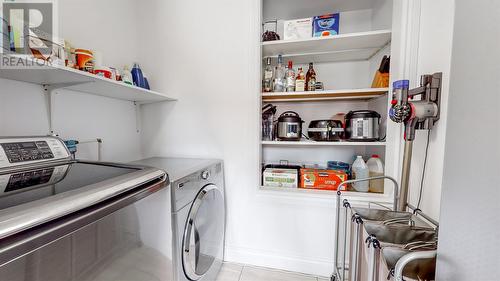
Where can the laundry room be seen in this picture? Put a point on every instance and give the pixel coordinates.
(249, 140)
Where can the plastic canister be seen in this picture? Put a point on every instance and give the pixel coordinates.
(84, 60)
(376, 169)
(340, 166)
(360, 171)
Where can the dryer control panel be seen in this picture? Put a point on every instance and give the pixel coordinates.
(21, 151)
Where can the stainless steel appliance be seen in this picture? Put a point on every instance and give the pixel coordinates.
(325, 130)
(290, 126)
(63, 219)
(362, 125)
(198, 216)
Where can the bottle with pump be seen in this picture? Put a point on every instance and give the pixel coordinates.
(311, 78)
(267, 81)
(290, 78)
(279, 82)
(360, 171)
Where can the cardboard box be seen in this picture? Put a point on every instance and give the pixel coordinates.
(326, 25)
(297, 29)
(322, 179)
(280, 178)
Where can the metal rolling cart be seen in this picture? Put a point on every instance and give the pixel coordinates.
(354, 220)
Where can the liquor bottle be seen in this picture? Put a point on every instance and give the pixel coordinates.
(300, 81)
(311, 78)
(267, 82)
(279, 76)
(290, 78)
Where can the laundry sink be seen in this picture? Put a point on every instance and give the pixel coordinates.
(424, 269)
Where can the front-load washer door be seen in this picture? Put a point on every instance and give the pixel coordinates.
(204, 232)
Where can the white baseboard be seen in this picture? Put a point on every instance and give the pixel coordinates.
(269, 259)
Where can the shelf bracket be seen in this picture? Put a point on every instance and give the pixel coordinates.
(50, 101)
(137, 116)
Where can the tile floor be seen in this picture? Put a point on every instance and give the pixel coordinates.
(236, 272)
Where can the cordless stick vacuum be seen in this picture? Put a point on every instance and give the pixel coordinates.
(419, 114)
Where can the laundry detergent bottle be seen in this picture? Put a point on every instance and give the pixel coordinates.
(137, 76)
(360, 171)
(376, 169)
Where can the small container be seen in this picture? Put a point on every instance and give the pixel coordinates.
(84, 60)
(127, 76)
(103, 72)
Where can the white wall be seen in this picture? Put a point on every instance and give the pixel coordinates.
(433, 55)
(468, 247)
(213, 67)
(81, 116)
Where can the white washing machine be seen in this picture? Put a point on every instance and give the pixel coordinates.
(198, 215)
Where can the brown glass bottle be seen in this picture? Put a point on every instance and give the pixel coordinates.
(311, 78)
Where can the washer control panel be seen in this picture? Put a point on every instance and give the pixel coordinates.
(21, 151)
(27, 151)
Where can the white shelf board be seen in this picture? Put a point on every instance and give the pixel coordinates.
(347, 94)
(305, 143)
(327, 194)
(342, 47)
(72, 79)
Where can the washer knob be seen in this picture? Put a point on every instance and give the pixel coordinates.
(205, 175)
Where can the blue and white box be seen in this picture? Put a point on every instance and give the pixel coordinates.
(326, 25)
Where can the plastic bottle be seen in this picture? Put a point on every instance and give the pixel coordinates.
(376, 169)
(127, 76)
(137, 76)
(360, 171)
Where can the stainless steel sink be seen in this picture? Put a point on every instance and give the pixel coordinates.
(423, 269)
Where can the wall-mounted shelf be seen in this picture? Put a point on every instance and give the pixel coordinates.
(350, 94)
(58, 77)
(343, 47)
(305, 143)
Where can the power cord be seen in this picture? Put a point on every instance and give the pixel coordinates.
(423, 170)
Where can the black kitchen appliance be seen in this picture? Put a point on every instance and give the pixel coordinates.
(362, 125)
(290, 126)
(325, 130)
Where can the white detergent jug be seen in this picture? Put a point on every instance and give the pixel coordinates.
(376, 169)
(360, 171)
